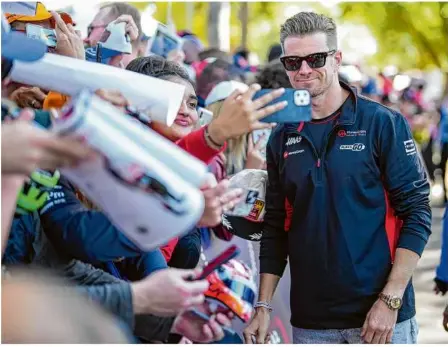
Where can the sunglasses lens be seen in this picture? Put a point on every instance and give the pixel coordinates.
(316, 61)
(291, 63)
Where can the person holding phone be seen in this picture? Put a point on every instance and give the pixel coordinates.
(347, 204)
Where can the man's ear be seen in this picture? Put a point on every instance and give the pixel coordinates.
(338, 58)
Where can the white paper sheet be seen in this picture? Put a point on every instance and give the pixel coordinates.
(148, 218)
(158, 98)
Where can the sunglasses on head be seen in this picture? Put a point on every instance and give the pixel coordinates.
(314, 61)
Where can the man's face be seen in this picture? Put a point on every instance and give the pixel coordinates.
(97, 27)
(316, 80)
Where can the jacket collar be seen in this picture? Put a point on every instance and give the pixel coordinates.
(349, 108)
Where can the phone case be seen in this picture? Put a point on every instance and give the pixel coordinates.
(205, 116)
(297, 110)
(221, 259)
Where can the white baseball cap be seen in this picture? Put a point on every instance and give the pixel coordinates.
(223, 90)
(253, 182)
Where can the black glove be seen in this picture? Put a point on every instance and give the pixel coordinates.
(441, 285)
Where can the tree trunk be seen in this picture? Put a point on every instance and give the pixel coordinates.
(244, 18)
(219, 25)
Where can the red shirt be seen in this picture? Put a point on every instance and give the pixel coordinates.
(195, 144)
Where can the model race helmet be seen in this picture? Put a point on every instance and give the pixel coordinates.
(232, 288)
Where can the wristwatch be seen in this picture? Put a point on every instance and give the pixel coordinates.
(392, 301)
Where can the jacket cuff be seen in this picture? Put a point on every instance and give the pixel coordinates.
(411, 241)
(274, 267)
(196, 145)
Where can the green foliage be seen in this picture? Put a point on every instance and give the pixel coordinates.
(410, 35)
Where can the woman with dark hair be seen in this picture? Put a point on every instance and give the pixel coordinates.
(186, 254)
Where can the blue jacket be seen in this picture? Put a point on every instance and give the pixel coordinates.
(90, 236)
(340, 215)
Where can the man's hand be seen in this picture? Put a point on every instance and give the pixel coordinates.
(69, 42)
(441, 287)
(198, 330)
(241, 115)
(218, 199)
(167, 292)
(254, 158)
(131, 27)
(26, 148)
(379, 325)
(258, 327)
(28, 97)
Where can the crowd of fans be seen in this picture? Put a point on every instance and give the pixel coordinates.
(68, 250)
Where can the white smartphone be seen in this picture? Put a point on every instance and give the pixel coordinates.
(256, 136)
(205, 116)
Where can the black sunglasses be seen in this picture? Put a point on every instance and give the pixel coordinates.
(314, 61)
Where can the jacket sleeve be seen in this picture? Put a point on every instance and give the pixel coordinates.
(114, 297)
(406, 182)
(195, 144)
(442, 269)
(81, 233)
(117, 299)
(274, 242)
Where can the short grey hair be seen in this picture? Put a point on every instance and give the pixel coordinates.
(306, 23)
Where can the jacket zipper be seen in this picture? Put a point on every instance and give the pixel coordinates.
(319, 156)
(324, 152)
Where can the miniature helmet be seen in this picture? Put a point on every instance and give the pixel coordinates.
(232, 288)
(35, 192)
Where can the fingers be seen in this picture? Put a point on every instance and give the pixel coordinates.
(377, 337)
(365, 326)
(223, 320)
(249, 94)
(368, 337)
(231, 198)
(260, 142)
(220, 189)
(250, 144)
(389, 336)
(194, 301)
(267, 98)
(208, 335)
(261, 126)
(27, 114)
(60, 24)
(261, 336)
(266, 111)
(71, 151)
(38, 94)
(210, 182)
(235, 94)
(131, 27)
(218, 333)
(115, 97)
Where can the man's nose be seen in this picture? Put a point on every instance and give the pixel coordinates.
(305, 68)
